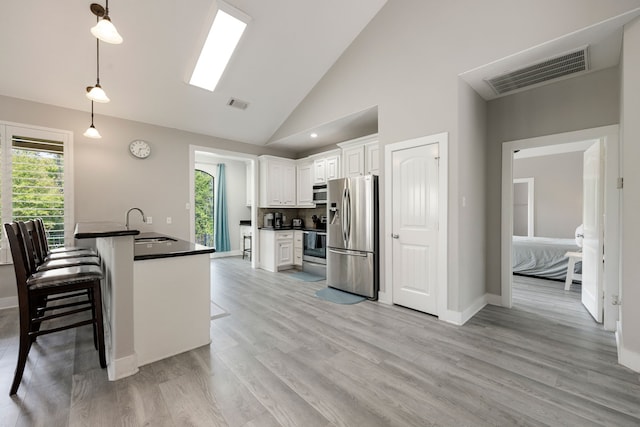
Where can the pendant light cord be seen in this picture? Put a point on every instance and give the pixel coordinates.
(97, 57)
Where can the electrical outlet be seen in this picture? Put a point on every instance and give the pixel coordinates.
(168, 220)
(149, 220)
(187, 206)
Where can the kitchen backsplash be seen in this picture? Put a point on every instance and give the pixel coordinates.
(305, 213)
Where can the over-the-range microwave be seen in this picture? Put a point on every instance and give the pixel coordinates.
(320, 194)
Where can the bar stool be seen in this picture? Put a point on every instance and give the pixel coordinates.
(246, 249)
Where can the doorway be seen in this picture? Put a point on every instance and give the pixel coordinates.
(241, 178)
(416, 224)
(609, 136)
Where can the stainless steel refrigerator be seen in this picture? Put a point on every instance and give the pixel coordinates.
(352, 235)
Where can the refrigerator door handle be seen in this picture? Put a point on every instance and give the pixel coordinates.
(345, 217)
(351, 253)
(348, 215)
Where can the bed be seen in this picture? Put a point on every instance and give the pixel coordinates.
(543, 257)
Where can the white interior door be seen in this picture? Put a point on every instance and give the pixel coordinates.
(592, 246)
(415, 227)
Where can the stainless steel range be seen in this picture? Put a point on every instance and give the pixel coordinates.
(314, 246)
(314, 252)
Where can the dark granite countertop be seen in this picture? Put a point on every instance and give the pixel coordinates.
(165, 249)
(289, 228)
(91, 230)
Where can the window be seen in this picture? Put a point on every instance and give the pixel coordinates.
(204, 185)
(36, 181)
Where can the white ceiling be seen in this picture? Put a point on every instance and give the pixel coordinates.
(48, 56)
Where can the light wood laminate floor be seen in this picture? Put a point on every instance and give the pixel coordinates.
(283, 357)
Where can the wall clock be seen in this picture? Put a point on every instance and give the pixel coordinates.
(140, 149)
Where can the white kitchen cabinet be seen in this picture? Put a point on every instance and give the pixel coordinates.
(277, 182)
(353, 159)
(305, 184)
(297, 248)
(361, 156)
(276, 250)
(333, 167)
(372, 158)
(326, 166)
(319, 171)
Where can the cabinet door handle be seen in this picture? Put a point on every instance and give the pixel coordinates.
(395, 236)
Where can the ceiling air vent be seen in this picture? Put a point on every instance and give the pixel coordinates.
(551, 69)
(236, 103)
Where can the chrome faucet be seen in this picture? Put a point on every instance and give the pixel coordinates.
(127, 217)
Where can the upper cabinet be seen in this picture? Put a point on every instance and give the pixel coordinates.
(277, 182)
(305, 183)
(326, 166)
(361, 156)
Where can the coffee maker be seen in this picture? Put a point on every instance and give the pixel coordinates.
(277, 219)
(268, 220)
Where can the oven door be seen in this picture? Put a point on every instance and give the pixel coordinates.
(314, 247)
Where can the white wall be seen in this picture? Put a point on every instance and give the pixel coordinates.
(406, 61)
(630, 287)
(108, 180)
(557, 192)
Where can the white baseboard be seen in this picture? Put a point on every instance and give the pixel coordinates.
(384, 297)
(626, 357)
(461, 317)
(122, 368)
(494, 299)
(226, 254)
(8, 302)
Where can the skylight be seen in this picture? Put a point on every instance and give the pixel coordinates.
(222, 40)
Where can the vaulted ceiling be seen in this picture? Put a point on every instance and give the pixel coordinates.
(49, 56)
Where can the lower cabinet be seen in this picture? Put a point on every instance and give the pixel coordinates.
(297, 248)
(276, 250)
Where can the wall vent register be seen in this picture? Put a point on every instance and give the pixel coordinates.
(576, 61)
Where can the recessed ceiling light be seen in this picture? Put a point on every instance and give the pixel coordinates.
(224, 35)
(314, 135)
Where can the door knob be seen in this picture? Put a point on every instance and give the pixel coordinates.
(395, 236)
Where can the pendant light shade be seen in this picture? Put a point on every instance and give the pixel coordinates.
(97, 94)
(105, 30)
(91, 131)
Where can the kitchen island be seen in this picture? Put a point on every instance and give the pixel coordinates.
(156, 295)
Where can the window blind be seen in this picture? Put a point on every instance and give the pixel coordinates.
(35, 181)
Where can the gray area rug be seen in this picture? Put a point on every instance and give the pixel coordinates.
(306, 277)
(338, 297)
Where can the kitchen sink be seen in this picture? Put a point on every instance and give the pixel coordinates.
(157, 239)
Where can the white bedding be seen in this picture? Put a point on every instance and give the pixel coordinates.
(543, 256)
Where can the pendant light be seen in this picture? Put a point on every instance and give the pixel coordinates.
(91, 131)
(96, 93)
(104, 30)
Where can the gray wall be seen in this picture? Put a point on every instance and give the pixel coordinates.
(406, 61)
(557, 192)
(583, 102)
(630, 291)
(108, 180)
